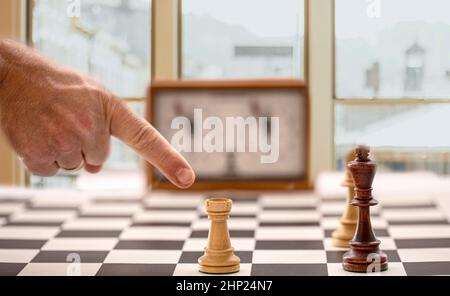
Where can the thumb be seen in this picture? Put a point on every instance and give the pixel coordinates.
(150, 144)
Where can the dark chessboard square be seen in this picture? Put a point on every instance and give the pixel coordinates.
(294, 208)
(107, 216)
(418, 222)
(205, 216)
(427, 268)
(241, 215)
(12, 201)
(192, 257)
(89, 233)
(289, 270)
(11, 269)
(336, 256)
(423, 243)
(64, 256)
(158, 208)
(33, 207)
(289, 245)
(233, 233)
(333, 199)
(127, 201)
(162, 224)
(21, 244)
(34, 224)
(136, 270)
(410, 207)
(149, 245)
(380, 232)
(334, 215)
(287, 224)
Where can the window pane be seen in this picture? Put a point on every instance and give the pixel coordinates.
(392, 48)
(110, 40)
(403, 137)
(243, 39)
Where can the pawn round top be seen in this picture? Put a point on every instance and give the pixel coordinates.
(218, 205)
(362, 153)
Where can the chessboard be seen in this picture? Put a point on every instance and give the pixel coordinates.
(274, 234)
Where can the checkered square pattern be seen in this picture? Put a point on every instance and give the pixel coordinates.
(164, 234)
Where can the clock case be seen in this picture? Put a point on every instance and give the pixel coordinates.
(159, 86)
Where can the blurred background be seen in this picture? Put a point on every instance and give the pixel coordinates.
(377, 71)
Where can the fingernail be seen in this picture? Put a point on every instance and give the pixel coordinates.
(185, 176)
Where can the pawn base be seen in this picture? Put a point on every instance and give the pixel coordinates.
(219, 262)
(365, 261)
(219, 269)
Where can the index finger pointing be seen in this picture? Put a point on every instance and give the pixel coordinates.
(150, 144)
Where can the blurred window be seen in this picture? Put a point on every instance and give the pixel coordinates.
(243, 39)
(392, 49)
(109, 40)
(395, 50)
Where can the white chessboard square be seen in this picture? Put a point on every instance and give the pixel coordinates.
(199, 244)
(110, 209)
(155, 233)
(233, 224)
(144, 256)
(411, 200)
(191, 269)
(165, 216)
(289, 216)
(60, 269)
(244, 208)
(80, 244)
(10, 208)
(413, 214)
(419, 231)
(175, 201)
(289, 256)
(289, 233)
(333, 222)
(394, 269)
(425, 255)
(338, 207)
(59, 202)
(25, 232)
(289, 200)
(43, 216)
(387, 243)
(17, 256)
(97, 224)
(2, 221)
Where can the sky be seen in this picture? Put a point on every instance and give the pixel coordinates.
(273, 18)
(264, 18)
(352, 19)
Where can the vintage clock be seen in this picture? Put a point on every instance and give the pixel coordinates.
(235, 134)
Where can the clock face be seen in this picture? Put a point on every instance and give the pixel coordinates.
(277, 131)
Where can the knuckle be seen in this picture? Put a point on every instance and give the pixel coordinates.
(65, 144)
(144, 139)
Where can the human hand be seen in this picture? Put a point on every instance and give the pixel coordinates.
(56, 118)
